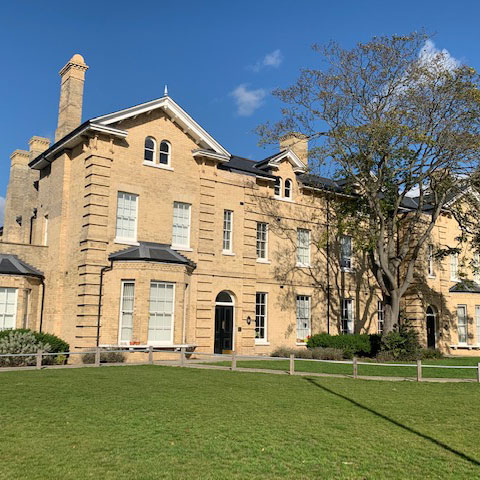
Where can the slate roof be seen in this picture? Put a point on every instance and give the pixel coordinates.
(151, 252)
(12, 265)
(465, 286)
(244, 165)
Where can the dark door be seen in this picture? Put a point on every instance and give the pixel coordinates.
(430, 328)
(223, 328)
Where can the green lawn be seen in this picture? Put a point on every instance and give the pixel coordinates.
(369, 370)
(151, 422)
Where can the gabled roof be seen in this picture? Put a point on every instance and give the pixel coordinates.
(12, 265)
(245, 166)
(465, 286)
(174, 111)
(274, 160)
(151, 252)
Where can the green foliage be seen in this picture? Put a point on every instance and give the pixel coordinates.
(16, 342)
(106, 356)
(321, 353)
(429, 353)
(56, 343)
(318, 353)
(401, 343)
(350, 344)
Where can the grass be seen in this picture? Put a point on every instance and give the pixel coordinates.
(151, 422)
(369, 370)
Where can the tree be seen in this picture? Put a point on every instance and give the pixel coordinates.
(398, 121)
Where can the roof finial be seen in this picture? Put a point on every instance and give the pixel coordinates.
(165, 92)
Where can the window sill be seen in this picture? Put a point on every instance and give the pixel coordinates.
(263, 260)
(182, 249)
(123, 241)
(158, 165)
(302, 265)
(301, 344)
(283, 199)
(261, 343)
(432, 276)
(347, 269)
(228, 254)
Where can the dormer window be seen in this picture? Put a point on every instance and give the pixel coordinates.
(164, 153)
(288, 189)
(150, 150)
(278, 187)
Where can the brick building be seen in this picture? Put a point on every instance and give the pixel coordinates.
(139, 227)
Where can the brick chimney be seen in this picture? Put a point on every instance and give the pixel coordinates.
(37, 145)
(71, 96)
(298, 142)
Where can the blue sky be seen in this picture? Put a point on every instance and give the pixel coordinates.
(220, 59)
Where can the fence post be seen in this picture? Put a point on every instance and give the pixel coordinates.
(150, 354)
(419, 370)
(355, 367)
(182, 357)
(39, 359)
(292, 364)
(234, 360)
(478, 372)
(97, 357)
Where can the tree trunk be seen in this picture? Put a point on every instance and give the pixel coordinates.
(392, 311)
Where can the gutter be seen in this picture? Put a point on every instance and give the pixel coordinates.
(42, 305)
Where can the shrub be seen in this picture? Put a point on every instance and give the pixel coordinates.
(402, 343)
(350, 344)
(321, 353)
(282, 352)
(427, 353)
(57, 344)
(106, 356)
(21, 342)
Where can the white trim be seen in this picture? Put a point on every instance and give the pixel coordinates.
(125, 241)
(169, 154)
(265, 261)
(187, 246)
(465, 343)
(226, 304)
(128, 241)
(264, 340)
(172, 329)
(161, 166)
(154, 152)
(199, 152)
(227, 251)
(297, 164)
(15, 307)
(120, 320)
(181, 248)
(174, 111)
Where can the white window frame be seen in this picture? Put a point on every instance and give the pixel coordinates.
(430, 261)
(178, 246)
(154, 151)
(463, 325)
(3, 308)
(476, 267)
(126, 240)
(172, 324)
(454, 267)
(169, 154)
(262, 243)
(261, 340)
(477, 323)
(278, 187)
(290, 189)
(346, 262)
(345, 312)
(125, 311)
(227, 232)
(380, 317)
(303, 251)
(307, 299)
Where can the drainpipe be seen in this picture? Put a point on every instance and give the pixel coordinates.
(32, 218)
(102, 271)
(328, 264)
(42, 304)
(184, 326)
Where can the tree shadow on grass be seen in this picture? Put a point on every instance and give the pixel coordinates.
(395, 422)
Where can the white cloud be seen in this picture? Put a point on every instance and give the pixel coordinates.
(2, 210)
(272, 59)
(248, 100)
(429, 53)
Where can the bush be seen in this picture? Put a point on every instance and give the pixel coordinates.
(106, 356)
(402, 343)
(427, 353)
(15, 341)
(320, 353)
(350, 344)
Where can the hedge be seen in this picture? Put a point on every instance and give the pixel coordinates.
(351, 344)
(57, 344)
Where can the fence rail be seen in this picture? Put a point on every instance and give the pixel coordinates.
(185, 359)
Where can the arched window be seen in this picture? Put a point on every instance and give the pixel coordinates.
(278, 187)
(150, 147)
(288, 188)
(224, 297)
(164, 153)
